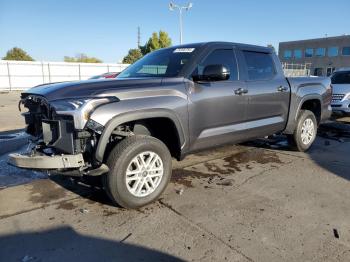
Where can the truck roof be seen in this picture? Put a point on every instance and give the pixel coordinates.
(239, 45)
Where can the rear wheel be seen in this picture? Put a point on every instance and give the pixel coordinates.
(305, 132)
(140, 169)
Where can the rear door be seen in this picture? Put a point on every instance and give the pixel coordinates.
(268, 94)
(217, 114)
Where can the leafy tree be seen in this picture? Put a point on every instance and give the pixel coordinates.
(152, 44)
(271, 46)
(132, 56)
(156, 41)
(17, 54)
(82, 58)
(164, 39)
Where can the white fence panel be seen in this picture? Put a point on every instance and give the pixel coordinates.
(4, 79)
(20, 75)
(291, 70)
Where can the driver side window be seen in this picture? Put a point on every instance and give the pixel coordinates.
(223, 57)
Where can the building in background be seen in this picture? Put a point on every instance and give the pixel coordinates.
(320, 56)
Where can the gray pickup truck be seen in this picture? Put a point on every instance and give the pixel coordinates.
(170, 103)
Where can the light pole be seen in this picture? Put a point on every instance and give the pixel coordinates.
(172, 6)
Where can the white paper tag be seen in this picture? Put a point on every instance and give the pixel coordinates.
(184, 50)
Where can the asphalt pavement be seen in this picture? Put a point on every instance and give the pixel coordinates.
(10, 117)
(254, 202)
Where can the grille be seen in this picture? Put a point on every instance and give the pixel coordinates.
(337, 97)
(38, 104)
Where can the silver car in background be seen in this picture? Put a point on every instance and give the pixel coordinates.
(341, 91)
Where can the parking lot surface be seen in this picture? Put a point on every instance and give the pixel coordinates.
(10, 118)
(253, 202)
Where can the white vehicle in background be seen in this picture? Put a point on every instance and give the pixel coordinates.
(341, 91)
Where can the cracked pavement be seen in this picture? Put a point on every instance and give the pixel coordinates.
(253, 202)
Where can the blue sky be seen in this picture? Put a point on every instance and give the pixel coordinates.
(49, 30)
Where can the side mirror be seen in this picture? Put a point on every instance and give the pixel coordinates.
(213, 73)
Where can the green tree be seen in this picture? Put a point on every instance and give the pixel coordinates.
(82, 58)
(132, 56)
(164, 39)
(272, 47)
(156, 41)
(17, 54)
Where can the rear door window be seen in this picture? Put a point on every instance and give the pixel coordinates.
(260, 66)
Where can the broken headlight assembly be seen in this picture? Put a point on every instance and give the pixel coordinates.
(80, 108)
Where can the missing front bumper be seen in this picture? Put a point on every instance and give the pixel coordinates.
(46, 162)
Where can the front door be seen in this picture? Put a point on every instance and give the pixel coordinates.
(217, 113)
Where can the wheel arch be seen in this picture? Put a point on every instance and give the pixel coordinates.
(313, 105)
(304, 103)
(137, 116)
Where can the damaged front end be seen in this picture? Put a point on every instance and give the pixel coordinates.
(64, 139)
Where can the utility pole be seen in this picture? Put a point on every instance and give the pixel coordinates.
(138, 37)
(172, 6)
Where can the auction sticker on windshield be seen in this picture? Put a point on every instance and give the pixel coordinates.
(184, 50)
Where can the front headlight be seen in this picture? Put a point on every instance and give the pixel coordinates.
(68, 105)
(81, 108)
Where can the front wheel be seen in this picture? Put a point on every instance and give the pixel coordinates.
(140, 169)
(305, 132)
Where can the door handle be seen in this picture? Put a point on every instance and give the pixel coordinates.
(241, 91)
(282, 89)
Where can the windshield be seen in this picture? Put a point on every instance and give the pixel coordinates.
(162, 63)
(341, 78)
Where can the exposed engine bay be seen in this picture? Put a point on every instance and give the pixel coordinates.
(55, 134)
(70, 150)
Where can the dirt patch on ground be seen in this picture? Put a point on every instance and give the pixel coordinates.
(185, 176)
(232, 164)
(44, 191)
(66, 205)
(108, 212)
(213, 168)
(236, 162)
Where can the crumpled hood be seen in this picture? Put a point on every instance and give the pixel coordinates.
(90, 88)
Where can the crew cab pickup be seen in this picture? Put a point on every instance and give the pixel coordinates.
(170, 103)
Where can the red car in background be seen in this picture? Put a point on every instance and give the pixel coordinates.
(106, 75)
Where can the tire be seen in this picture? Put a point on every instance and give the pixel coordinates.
(306, 122)
(127, 157)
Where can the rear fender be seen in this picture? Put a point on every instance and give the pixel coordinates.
(295, 108)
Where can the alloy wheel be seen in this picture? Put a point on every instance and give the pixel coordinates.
(144, 174)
